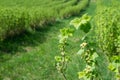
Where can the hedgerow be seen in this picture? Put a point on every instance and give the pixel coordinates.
(15, 19)
(74, 10)
(107, 29)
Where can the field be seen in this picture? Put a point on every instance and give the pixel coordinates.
(29, 39)
(20, 16)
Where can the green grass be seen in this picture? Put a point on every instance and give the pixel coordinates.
(30, 56)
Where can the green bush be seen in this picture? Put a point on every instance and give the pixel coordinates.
(40, 16)
(74, 10)
(108, 29)
(13, 21)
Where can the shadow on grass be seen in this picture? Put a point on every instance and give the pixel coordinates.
(25, 41)
(18, 43)
(14, 44)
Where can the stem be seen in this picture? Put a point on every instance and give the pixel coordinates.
(63, 68)
(65, 78)
(63, 64)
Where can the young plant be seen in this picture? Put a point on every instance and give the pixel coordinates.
(114, 66)
(63, 59)
(87, 53)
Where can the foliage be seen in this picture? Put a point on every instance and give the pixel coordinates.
(89, 55)
(82, 22)
(114, 66)
(86, 52)
(62, 61)
(29, 59)
(74, 10)
(107, 22)
(107, 30)
(16, 19)
(13, 20)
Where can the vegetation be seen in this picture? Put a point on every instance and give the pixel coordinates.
(107, 28)
(88, 45)
(19, 16)
(107, 41)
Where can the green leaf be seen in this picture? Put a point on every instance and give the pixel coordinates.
(82, 22)
(67, 58)
(80, 52)
(115, 58)
(75, 23)
(81, 74)
(111, 67)
(118, 76)
(86, 17)
(85, 27)
(58, 58)
(94, 56)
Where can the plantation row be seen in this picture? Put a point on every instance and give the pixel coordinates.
(107, 27)
(15, 19)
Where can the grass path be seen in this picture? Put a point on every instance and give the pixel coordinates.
(31, 56)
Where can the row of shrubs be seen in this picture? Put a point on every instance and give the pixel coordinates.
(108, 28)
(74, 10)
(15, 20)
